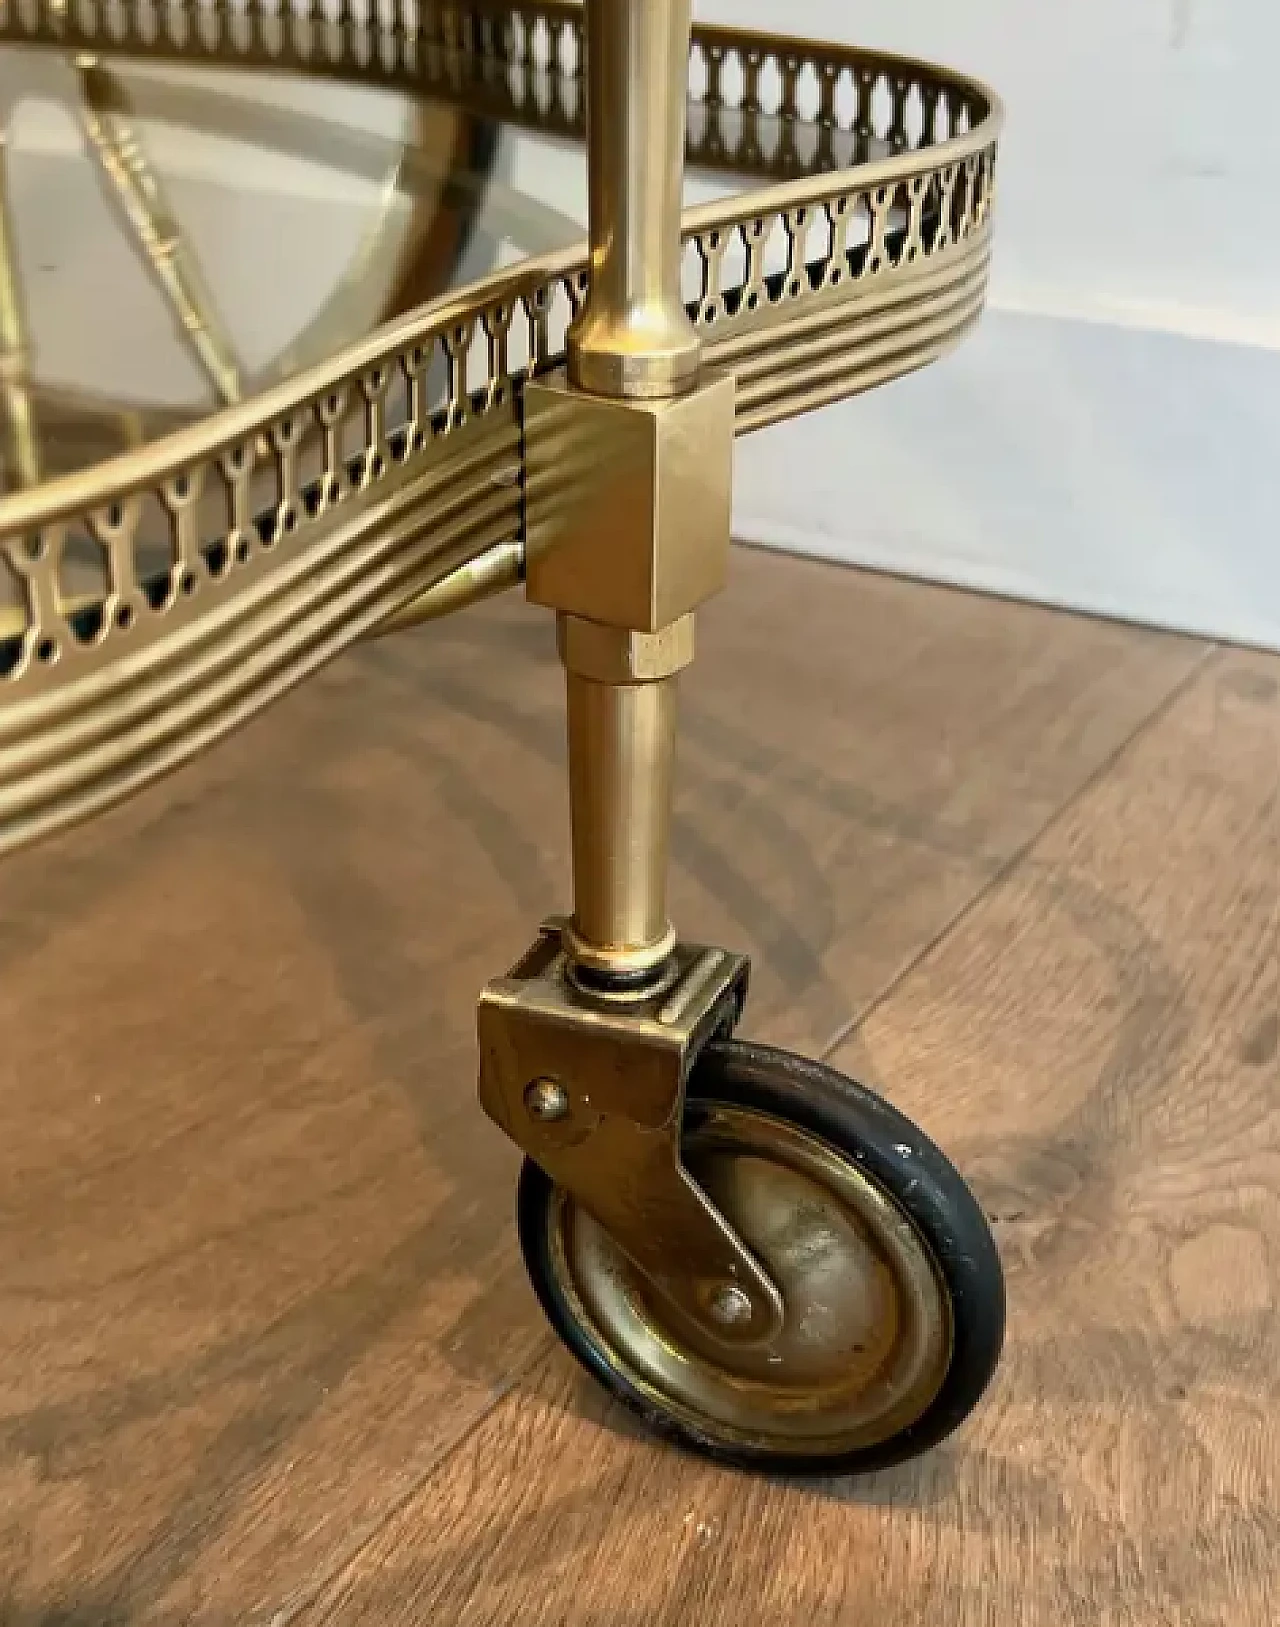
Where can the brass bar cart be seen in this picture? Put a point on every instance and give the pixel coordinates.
(765, 1260)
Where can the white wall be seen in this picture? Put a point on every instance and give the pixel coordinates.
(1109, 438)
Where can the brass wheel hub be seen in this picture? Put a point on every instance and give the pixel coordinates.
(866, 1339)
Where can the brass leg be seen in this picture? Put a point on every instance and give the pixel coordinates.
(633, 338)
(621, 744)
(633, 341)
(586, 1048)
(622, 732)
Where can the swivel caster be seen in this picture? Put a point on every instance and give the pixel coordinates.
(891, 1287)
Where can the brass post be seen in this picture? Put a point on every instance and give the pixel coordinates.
(633, 339)
(620, 794)
(621, 751)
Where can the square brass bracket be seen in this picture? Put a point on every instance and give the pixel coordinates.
(627, 502)
(592, 1088)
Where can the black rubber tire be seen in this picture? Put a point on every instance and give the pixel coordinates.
(906, 1165)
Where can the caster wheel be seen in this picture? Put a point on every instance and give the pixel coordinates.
(892, 1288)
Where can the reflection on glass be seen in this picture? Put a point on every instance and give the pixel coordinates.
(210, 233)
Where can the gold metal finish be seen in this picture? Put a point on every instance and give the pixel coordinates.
(865, 1340)
(869, 258)
(612, 1140)
(70, 748)
(494, 571)
(627, 502)
(621, 753)
(613, 655)
(621, 702)
(634, 337)
(628, 498)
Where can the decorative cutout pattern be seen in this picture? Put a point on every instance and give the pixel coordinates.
(758, 105)
(868, 257)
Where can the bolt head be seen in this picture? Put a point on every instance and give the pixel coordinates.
(729, 1305)
(547, 1100)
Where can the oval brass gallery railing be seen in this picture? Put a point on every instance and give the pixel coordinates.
(167, 594)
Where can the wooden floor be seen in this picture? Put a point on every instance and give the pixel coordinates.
(266, 1351)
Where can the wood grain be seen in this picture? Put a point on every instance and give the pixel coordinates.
(256, 1269)
(1097, 1044)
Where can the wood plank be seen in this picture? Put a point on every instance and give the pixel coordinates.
(257, 1268)
(1097, 1044)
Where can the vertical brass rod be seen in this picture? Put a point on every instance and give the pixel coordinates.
(621, 751)
(634, 337)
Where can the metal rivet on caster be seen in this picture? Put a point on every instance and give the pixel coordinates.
(729, 1305)
(547, 1100)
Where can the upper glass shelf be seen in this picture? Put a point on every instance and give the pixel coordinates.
(175, 238)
